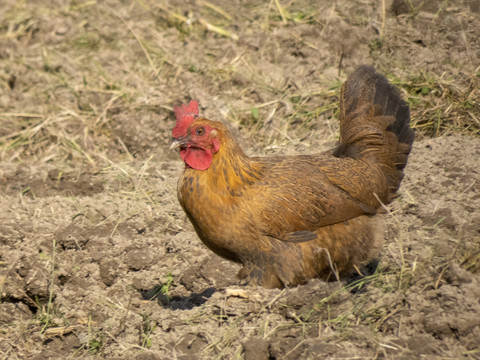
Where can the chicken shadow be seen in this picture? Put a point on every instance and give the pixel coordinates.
(357, 283)
(176, 302)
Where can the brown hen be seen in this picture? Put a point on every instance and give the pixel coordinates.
(288, 219)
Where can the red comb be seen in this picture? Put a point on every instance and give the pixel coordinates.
(185, 115)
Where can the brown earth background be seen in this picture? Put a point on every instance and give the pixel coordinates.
(97, 259)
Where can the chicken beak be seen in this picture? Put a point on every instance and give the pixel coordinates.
(176, 143)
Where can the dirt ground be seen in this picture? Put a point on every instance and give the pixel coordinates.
(98, 260)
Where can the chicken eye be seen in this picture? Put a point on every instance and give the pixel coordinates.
(200, 131)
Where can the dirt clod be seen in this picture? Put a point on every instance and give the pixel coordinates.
(255, 349)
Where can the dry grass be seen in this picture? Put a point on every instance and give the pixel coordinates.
(68, 90)
(440, 105)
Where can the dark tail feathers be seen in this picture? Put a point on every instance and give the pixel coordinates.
(375, 125)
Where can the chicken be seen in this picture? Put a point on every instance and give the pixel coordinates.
(288, 219)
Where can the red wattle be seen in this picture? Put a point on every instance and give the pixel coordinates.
(198, 159)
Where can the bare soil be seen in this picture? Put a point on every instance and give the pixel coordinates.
(97, 259)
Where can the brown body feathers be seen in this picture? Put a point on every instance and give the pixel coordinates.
(289, 219)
